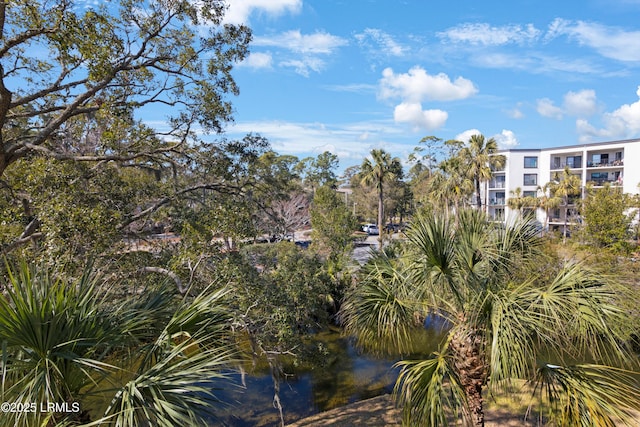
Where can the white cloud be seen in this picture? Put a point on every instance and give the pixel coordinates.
(353, 87)
(417, 85)
(308, 49)
(582, 103)
(466, 135)
(624, 122)
(536, 63)
(484, 34)
(515, 113)
(506, 139)
(316, 43)
(384, 43)
(546, 108)
(305, 65)
(258, 60)
(610, 42)
(352, 141)
(240, 10)
(413, 114)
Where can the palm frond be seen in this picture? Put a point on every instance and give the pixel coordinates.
(429, 391)
(179, 389)
(588, 395)
(434, 265)
(576, 314)
(512, 347)
(378, 311)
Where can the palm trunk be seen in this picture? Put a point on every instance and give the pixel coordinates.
(380, 215)
(566, 220)
(472, 371)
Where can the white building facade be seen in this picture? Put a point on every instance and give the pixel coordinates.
(615, 163)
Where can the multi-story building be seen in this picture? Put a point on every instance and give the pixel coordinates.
(527, 171)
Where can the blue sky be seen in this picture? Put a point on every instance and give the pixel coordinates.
(351, 75)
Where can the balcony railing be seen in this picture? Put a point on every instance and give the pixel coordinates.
(562, 165)
(602, 182)
(496, 184)
(606, 164)
(496, 202)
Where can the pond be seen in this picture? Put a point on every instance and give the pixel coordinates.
(344, 376)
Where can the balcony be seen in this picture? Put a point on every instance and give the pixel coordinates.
(603, 182)
(615, 163)
(562, 165)
(496, 202)
(496, 184)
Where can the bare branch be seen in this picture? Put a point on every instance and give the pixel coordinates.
(173, 276)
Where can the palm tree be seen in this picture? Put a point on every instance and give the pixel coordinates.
(381, 169)
(151, 361)
(481, 157)
(548, 201)
(516, 200)
(450, 185)
(564, 186)
(503, 322)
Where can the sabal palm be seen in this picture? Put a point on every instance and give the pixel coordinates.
(516, 200)
(502, 322)
(565, 186)
(376, 171)
(548, 201)
(153, 360)
(450, 186)
(480, 155)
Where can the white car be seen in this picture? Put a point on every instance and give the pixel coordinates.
(371, 229)
(366, 227)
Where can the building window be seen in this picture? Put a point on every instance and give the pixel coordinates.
(574, 161)
(531, 194)
(557, 163)
(498, 198)
(530, 162)
(530, 179)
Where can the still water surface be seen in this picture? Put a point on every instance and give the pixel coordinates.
(345, 375)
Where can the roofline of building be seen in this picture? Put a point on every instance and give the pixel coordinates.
(563, 147)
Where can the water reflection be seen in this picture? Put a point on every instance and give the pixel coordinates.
(341, 376)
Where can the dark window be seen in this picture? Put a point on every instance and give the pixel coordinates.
(530, 179)
(574, 161)
(530, 162)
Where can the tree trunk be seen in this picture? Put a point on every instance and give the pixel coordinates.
(380, 215)
(470, 364)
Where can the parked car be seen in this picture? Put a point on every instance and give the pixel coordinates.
(373, 230)
(366, 227)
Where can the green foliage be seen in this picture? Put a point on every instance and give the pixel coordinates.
(319, 171)
(286, 298)
(606, 217)
(481, 156)
(505, 316)
(333, 225)
(379, 172)
(150, 360)
(79, 170)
